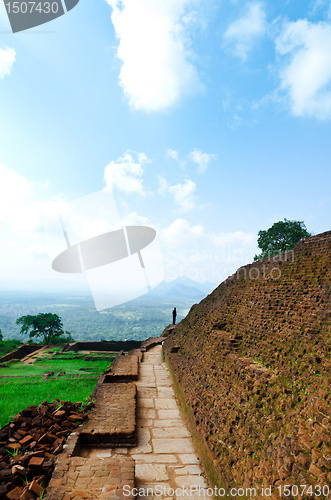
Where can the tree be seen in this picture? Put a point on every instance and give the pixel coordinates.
(281, 237)
(1, 337)
(45, 325)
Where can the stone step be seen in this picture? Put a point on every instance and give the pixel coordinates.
(113, 419)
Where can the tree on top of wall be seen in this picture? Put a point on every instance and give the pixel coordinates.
(281, 237)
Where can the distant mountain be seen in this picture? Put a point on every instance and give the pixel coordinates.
(182, 288)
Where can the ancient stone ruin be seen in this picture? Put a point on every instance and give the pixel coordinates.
(249, 367)
(252, 365)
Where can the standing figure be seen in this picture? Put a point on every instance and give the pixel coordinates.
(174, 314)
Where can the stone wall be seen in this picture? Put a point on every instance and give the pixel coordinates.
(111, 345)
(20, 352)
(252, 363)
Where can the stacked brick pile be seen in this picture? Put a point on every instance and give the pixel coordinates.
(30, 444)
(253, 362)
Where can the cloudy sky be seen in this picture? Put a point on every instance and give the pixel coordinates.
(208, 119)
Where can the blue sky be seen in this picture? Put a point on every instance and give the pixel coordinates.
(209, 120)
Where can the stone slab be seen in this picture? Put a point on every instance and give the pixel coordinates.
(165, 404)
(191, 480)
(189, 469)
(145, 403)
(153, 458)
(168, 422)
(172, 445)
(170, 432)
(146, 413)
(168, 414)
(143, 445)
(151, 472)
(189, 458)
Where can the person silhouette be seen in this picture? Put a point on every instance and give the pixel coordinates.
(174, 314)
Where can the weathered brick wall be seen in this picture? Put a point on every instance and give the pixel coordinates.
(20, 352)
(253, 361)
(111, 345)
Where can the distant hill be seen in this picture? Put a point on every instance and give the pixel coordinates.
(182, 288)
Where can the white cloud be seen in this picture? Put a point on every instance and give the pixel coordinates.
(181, 230)
(171, 153)
(242, 34)
(134, 219)
(18, 207)
(183, 194)
(201, 254)
(305, 71)
(317, 5)
(201, 159)
(37, 250)
(7, 59)
(126, 174)
(153, 46)
(235, 238)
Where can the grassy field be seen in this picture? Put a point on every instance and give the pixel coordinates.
(30, 388)
(70, 366)
(17, 394)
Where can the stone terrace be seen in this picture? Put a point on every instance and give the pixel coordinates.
(113, 419)
(99, 460)
(124, 368)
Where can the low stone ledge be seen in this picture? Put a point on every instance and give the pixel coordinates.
(124, 369)
(151, 342)
(113, 419)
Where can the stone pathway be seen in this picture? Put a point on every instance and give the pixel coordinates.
(165, 463)
(165, 455)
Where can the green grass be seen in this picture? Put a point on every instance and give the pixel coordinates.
(42, 365)
(16, 395)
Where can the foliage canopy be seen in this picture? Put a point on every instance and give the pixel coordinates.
(281, 237)
(45, 325)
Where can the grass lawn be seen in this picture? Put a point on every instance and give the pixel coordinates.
(44, 364)
(17, 394)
